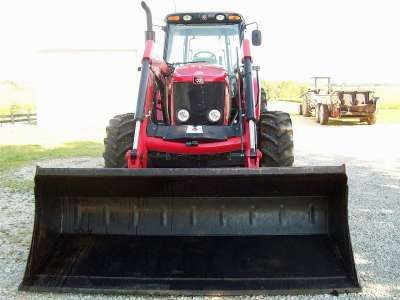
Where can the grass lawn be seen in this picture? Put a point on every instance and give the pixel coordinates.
(388, 116)
(13, 156)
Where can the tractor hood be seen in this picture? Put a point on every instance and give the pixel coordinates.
(199, 73)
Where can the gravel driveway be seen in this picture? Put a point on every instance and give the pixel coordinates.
(372, 157)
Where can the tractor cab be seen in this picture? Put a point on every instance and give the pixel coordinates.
(210, 38)
(202, 51)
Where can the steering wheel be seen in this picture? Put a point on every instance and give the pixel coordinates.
(207, 56)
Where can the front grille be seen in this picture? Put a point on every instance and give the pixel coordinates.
(199, 100)
(173, 160)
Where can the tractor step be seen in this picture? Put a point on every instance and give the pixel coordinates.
(191, 231)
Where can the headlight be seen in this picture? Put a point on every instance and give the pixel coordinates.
(220, 17)
(187, 18)
(214, 115)
(183, 115)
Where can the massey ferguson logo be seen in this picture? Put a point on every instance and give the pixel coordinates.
(198, 80)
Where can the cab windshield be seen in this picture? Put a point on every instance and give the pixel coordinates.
(214, 44)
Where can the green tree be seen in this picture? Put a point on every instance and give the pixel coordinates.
(284, 90)
(271, 89)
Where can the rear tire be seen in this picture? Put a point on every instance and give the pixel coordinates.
(305, 107)
(323, 113)
(275, 139)
(119, 139)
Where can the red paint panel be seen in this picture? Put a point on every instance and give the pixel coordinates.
(209, 73)
(246, 49)
(157, 144)
(148, 50)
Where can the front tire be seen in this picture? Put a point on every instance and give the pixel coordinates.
(323, 113)
(275, 139)
(118, 140)
(305, 107)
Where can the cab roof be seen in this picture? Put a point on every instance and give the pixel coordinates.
(204, 18)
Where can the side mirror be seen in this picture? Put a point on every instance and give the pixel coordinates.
(256, 37)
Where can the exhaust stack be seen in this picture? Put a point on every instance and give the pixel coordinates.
(149, 33)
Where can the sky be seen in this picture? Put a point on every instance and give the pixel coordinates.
(349, 40)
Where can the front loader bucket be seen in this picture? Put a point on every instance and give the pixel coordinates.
(191, 231)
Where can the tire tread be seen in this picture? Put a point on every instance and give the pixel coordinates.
(276, 139)
(119, 139)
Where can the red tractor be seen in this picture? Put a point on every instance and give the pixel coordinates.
(200, 105)
(164, 217)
